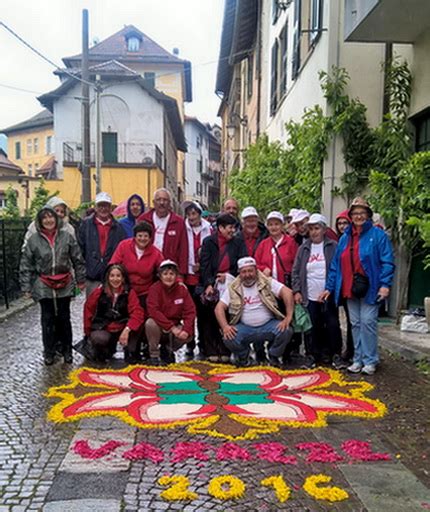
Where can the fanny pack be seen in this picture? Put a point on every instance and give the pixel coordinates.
(360, 282)
(56, 281)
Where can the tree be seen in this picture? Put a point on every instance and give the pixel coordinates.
(11, 210)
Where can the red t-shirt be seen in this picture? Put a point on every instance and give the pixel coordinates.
(224, 263)
(103, 231)
(345, 261)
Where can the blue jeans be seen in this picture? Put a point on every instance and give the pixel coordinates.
(247, 335)
(364, 323)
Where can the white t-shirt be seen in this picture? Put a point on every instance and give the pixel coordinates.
(160, 224)
(255, 313)
(316, 271)
(139, 252)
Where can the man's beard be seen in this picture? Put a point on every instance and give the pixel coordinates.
(249, 282)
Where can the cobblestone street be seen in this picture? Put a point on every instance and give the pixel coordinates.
(40, 472)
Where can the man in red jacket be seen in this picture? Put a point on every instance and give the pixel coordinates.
(171, 311)
(170, 235)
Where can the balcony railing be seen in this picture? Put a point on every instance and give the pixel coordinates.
(147, 155)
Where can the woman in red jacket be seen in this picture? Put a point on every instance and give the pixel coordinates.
(275, 255)
(112, 313)
(140, 258)
(171, 311)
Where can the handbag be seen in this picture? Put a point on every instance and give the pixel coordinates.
(84, 348)
(360, 282)
(287, 276)
(211, 299)
(301, 319)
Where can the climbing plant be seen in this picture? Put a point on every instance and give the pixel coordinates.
(11, 210)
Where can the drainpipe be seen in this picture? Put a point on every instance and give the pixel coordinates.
(259, 57)
(387, 63)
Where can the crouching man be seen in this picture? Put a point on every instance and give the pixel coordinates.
(251, 301)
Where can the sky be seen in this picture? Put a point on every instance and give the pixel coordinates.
(54, 27)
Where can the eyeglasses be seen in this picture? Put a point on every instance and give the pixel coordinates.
(358, 214)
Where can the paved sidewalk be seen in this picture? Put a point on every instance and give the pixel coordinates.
(39, 471)
(412, 346)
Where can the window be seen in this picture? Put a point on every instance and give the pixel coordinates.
(35, 146)
(29, 147)
(149, 79)
(200, 166)
(250, 75)
(36, 168)
(274, 79)
(422, 126)
(3, 201)
(30, 170)
(133, 44)
(296, 39)
(198, 141)
(17, 150)
(284, 60)
(198, 188)
(49, 144)
(316, 21)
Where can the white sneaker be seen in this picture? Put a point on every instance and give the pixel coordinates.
(355, 368)
(368, 369)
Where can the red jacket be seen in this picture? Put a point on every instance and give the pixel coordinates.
(169, 306)
(287, 251)
(175, 245)
(136, 315)
(142, 272)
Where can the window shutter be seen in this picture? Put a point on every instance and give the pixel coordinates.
(274, 81)
(296, 39)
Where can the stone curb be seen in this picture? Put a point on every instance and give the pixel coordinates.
(410, 353)
(17, 306)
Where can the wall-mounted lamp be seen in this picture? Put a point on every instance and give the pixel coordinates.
(231, 130)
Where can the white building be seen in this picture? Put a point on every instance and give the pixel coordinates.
(202, 162)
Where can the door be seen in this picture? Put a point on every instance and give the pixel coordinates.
(110, 147)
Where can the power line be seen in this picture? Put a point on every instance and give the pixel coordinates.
(37, 52)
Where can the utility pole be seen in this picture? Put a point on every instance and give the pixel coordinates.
(98, 90)
(85, 113)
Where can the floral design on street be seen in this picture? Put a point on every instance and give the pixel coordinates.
(215, 400)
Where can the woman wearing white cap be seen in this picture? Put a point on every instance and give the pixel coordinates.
(253, 230)
(310, 269)
(275, 255)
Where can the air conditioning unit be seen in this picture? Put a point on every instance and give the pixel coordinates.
(148, 161)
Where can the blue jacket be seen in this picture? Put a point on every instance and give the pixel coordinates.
(376, 257)
(129, 222)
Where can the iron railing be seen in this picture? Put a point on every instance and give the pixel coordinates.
(148, 155)
(11, 237)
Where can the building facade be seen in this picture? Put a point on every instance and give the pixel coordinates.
(202, 162)
(31, 143)
(140, 129)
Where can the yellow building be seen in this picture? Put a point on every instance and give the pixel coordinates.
(11, 175)
(31, 143)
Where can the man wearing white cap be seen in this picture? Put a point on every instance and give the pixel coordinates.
(254, 316)
(98, 236)
(253, 231)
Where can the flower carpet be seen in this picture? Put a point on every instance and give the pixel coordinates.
(214, 400)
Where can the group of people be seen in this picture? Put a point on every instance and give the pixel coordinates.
(153, 276)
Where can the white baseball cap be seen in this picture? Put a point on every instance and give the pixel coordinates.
(317, 218)
(194, 204)
(292, 212)
(248, 261)
(167, 263)
(275, 215)
(103, 197)
(249, 211)
(300, 215)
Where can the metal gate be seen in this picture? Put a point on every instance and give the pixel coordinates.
(11, 237)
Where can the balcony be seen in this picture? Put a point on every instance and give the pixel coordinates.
(386, 21)
(126, 154)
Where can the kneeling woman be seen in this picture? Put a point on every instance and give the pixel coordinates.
(113, 313)
(171, 311)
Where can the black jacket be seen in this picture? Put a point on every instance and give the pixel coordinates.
(88, 238)
(209, 258)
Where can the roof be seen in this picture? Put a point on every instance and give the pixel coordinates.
(170, 105)
(239, 29)
(6, 164)
(115, 48)
(194, 120)
(42, 119)
(48, 168)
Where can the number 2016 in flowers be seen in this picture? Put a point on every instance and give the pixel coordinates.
(227, 487)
